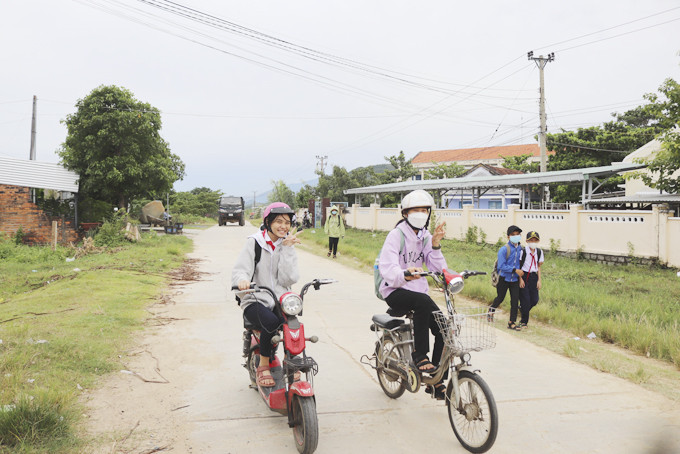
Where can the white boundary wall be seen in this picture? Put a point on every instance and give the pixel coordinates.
(648, 234)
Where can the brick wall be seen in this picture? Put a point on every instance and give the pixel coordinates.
(17, 210)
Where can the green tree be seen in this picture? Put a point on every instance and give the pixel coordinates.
(403, 169)
(304, 195)
(197, 202)
(444, 170)
(281, 193)
(113, 142)
(602, 145)
(520, 163)
(666, 162)
(334, 184)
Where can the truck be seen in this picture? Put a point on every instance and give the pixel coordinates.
(231, 209)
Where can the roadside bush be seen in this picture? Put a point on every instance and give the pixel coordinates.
(111, 233)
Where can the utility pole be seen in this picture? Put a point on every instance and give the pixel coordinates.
(321, 165)
(254, 196)
(541, 61)
(33, 129)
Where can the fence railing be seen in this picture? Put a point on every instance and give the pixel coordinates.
(647, 234)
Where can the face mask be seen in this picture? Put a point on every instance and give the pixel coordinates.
(516, 238)
(417, 220)
(533, 245)
(334, 212)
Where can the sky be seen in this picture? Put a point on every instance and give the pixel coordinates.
(255, 91)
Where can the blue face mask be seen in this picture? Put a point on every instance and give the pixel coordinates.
(516, 238)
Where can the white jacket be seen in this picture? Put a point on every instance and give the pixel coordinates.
(277, 269)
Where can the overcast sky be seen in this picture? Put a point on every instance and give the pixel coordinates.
(243, 105)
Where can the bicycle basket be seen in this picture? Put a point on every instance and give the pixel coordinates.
(469, 329)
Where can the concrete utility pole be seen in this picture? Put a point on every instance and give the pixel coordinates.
(541, 61)
(254, 197)
(33, 130)
(321, 165)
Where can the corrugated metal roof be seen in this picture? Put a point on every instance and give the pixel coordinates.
(37, 174)
(637, 198)
(499, 181)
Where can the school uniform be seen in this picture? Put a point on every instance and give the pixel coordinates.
(528, 296)
(508, 279)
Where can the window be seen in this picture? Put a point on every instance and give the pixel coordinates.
(495, 204)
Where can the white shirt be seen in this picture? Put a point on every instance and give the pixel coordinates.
(531, 261)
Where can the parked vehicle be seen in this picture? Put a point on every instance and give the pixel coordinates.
(231, 209)
(471, 406)
(289, 396)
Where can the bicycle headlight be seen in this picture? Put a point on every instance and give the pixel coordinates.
(291, 303)
(454, 281)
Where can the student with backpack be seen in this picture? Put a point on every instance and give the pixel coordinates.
(268, 258)
(334, 228)
(530, 283)
(509, 273)
(408, 247)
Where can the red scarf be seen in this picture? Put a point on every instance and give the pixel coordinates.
(269, 242)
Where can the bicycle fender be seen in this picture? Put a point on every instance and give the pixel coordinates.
(302, 389)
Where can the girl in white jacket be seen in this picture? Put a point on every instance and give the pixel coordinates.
(276, 269)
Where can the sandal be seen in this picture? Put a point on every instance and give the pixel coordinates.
(329, 254)
(334, 256)
(266, 381)
(511, 325)
(422, 363)
(523, 325)
(489, 316)
(439, 390)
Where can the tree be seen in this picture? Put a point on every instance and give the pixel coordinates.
(113, 142)
(666, 162)
(304, 195)
(197, 202)
(281, 193)
(403, 169)
(334, 185)
(602, 145)
(520, 163)
(443, 170)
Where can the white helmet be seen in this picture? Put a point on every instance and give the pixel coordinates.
(417, 198)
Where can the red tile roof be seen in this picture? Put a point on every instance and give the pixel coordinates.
(472, 154)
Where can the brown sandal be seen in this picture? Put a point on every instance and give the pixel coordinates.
(266, 381)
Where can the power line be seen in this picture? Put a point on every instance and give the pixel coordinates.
(608, 28)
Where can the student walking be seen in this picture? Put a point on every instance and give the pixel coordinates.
(335, 229)
(530, 263)
(509, 274)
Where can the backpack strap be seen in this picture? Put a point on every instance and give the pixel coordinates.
(258, 255)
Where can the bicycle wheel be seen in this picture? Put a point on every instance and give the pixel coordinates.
(306, 424)
(391, 383)
(475, 419)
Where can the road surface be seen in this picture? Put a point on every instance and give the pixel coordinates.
(547, 403)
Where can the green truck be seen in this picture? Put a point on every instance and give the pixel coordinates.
(231, 209)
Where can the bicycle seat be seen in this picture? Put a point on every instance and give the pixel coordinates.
(247, 324)
(386, 321)
(396, 313)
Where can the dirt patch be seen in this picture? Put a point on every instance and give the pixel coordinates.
(138, 410)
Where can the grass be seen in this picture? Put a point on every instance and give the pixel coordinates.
(632, 306)
(63, 325)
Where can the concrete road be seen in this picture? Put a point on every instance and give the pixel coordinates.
(547, 403)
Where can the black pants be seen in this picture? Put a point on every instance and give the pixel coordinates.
(501, 290)
(333, 244)
(267, 322)
(528, 296)
(422, 306)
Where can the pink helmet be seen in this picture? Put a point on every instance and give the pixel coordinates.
(273, 210)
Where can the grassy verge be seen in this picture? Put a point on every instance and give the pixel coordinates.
(631, 306)
(62, 325)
